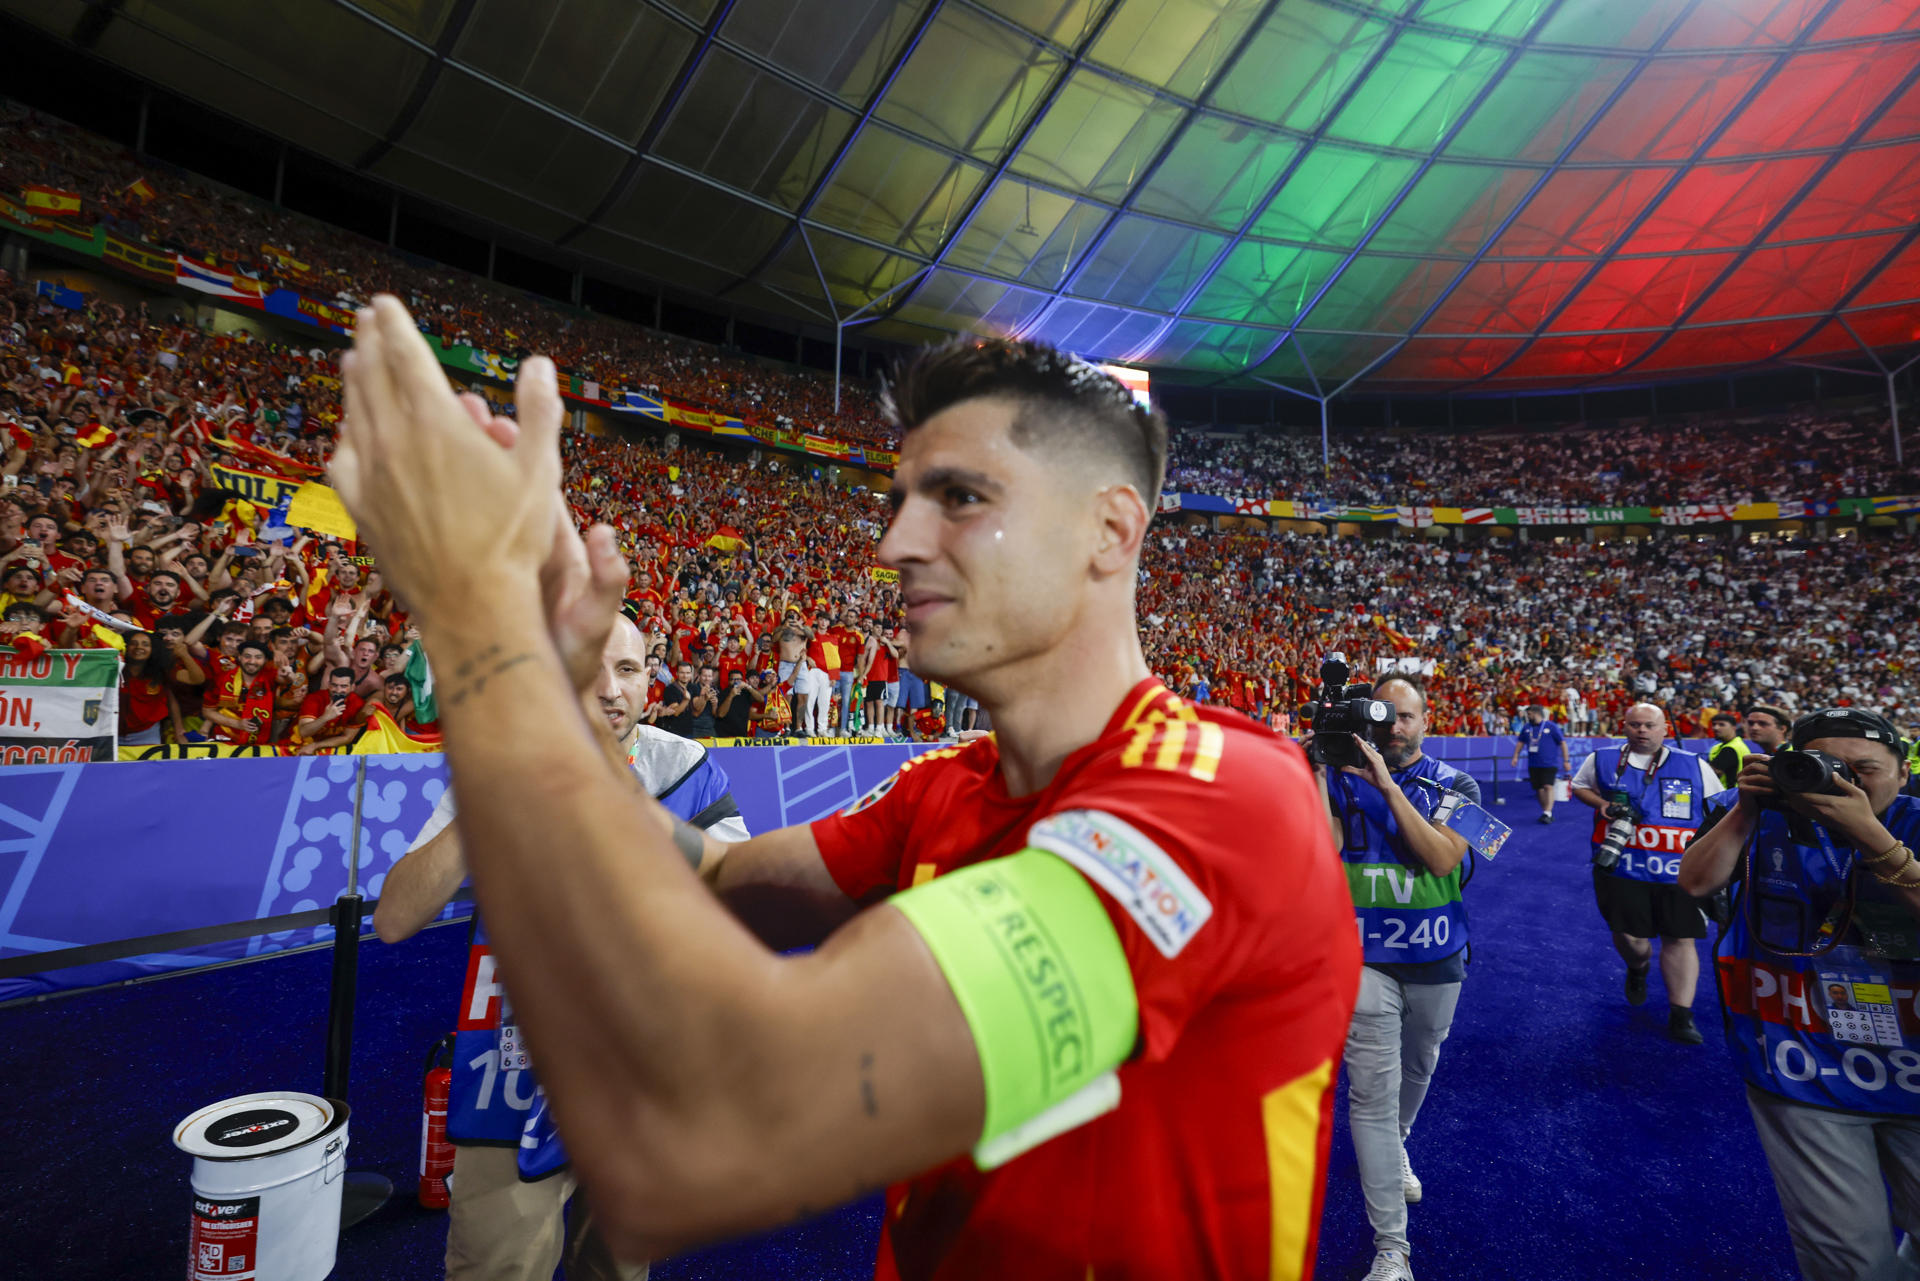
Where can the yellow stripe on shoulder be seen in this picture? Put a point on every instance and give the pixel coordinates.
(1183, 745)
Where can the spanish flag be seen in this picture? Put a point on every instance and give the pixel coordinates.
(51, 200)
(96, 436)
(1400, 641)
(726, 539)
(384, 736)
(140, 189)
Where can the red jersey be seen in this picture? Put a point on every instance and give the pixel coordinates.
(143, 703)
(1214, 1163)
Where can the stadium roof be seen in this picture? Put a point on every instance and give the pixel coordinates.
(1442, 193)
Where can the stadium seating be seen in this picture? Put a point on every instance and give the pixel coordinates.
(118, 416)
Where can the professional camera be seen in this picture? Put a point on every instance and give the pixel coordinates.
(1808, 773)
(1621, 822)
(1343, 710)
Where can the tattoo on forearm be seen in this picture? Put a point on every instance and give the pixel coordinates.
(689, 840)
(868, 1099)
(471, 677)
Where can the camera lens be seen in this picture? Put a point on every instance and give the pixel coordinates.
(1801, 772)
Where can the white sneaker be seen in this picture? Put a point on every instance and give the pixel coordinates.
(1390, 1265)
(1409, 1181)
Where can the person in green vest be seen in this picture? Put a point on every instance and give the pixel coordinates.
(1730, 751)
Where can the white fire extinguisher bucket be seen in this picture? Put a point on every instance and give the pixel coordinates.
(268, 1171)
(1562, 789)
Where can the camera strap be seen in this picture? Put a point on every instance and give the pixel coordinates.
(1829, 930)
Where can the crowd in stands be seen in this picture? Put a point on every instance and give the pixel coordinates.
(114, 531)
(1716, 460)
(1724, 459)
(230, 230)
(1584, 629)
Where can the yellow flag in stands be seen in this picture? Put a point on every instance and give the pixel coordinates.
(384, 736)
(317, 507)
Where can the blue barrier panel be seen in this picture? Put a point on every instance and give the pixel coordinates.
(92, 853)
(97, 852)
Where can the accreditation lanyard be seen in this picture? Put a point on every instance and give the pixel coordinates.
(1769, 916)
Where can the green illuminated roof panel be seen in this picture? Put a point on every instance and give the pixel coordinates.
(1433, 193)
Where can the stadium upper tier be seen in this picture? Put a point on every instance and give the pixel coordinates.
(1694, 624)
(1815, 458)
(1428, 192)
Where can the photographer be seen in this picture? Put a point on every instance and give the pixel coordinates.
(735, 717)
(1546, 749)
(1648, 800)
(1815, 969)
(1403, 869)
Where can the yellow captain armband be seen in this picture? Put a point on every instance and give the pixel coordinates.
(1040, 974)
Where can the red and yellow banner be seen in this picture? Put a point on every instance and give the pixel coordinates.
(51, 200)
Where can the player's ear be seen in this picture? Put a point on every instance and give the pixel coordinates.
(1122, 518)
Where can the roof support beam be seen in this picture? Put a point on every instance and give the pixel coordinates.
(1088, 39)
(1514, 54)
(423, 84)
(1259, 208)
(1793, 202)
(1071, 277)
(825, 179)
(1572, 145)
(1700, 152)
(623, 181)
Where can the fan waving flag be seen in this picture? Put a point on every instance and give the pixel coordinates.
(385, 736)
(140, 189)
(727, 539)
(95, 436)
(420, 683)
(51, 200)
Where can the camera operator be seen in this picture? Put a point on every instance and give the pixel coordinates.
(1815, 968)
(1403, 869)
(1648, 800)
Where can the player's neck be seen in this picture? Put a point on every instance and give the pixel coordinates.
(1058, 702)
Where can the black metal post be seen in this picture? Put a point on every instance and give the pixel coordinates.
(348, 911)
(365, 1191)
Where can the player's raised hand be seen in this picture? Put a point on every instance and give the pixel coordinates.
(462, 518)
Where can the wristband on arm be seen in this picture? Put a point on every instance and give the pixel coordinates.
(1043, 981)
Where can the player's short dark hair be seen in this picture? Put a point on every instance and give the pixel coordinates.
(1413, 680)
(254, 644)
(1062, 402)
(340, 671)
(1781, 716)
(1727, 717)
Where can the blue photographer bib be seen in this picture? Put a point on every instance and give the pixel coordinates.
(493, 1099)
(1542, 742)
(1839, 1029)
(1405, 914)
(1668, 808)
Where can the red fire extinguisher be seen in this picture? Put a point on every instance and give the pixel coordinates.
(436, 1152)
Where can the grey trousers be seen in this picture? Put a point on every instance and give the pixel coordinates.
(1827, 1168)
(1392, 1047)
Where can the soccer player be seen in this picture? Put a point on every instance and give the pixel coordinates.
(1089, 1018)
